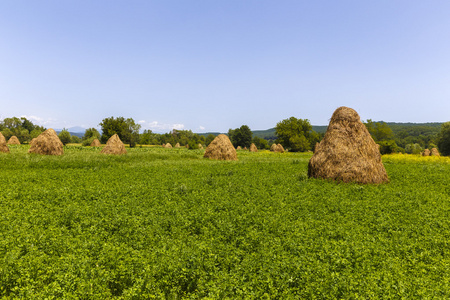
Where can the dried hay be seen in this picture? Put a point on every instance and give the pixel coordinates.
(47, 143)
(221, 148)
(177, 145)
(253, 148)
(95, 143)
(435, 152)
(13, 140)
(239, 148)
(347, 152)
(273, 148)
(200, 146)
(426, 152)
(168, 145)
(114, 146)
(280, 148)
(3, 147)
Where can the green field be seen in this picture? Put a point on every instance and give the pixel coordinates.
(168, 224)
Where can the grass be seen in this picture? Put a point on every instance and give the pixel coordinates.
(168, 224)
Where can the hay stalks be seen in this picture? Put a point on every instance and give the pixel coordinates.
(114, 146)
(221, 148)
(47, 143)
(347, 153)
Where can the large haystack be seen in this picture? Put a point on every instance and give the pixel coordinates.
(273, 147)
(426, 152)
(13, 140)
(47, 143)
(168, 145)
(114, 146)
(95, 143)
(347, 152)
(280, 148)
(3, 147)
(253, 148)
(221, 148)
(435, 152)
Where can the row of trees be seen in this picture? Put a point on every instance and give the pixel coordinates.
(294, 134)
(22, 128)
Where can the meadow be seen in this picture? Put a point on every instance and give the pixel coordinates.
(167, 224)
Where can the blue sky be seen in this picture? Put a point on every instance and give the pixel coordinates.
(215, 65)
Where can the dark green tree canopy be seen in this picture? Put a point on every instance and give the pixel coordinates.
(91, 133)
(296, 134)
(241, 136)
(444, 139)
(65, 136)
(126, 129)
(22, 128)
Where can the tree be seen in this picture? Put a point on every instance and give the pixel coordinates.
(91, 133)
(64, 136)
(296, 134)
(209, 139)
(241, 136)
(444, 139)
(260, 143)
(126, 129)
(379, 131)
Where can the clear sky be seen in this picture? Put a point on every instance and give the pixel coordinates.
(213, 65)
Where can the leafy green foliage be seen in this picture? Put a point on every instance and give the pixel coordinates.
(64, 136)
(296, 134)
(444, 139)
(241, 136)
(168, 224)
(91, 134)
(126, 129)
(22, 128)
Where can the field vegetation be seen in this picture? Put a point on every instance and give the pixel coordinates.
(168, 224)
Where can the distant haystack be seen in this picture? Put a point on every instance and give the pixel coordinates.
(273, 147)
(177, 145)
(114, 146)
(3, 147)
(187, 146)
(221, 148)
(239, 148)
(168, 145)
(95, 143)
(347, 152)
(426, 152)
(200, 146)
(280, 148)
(435, 152)
(253, 148)
(13, 140)
(47, 143)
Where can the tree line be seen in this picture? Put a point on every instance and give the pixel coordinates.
(294, 134)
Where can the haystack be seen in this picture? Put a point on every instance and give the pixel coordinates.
(95, 143)
(114, 146)
(3, 147)
(163, 145)
(280, 148)
(347, 152)
(177, 145)
(273, 147)
(435, 152)
(13, 140)
(168, 145)
(221, 148)
(239, 148)
(426, 152)
(47, 143)
(200, 146)
(253, 148)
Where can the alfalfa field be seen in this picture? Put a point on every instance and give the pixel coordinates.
(169, 224)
